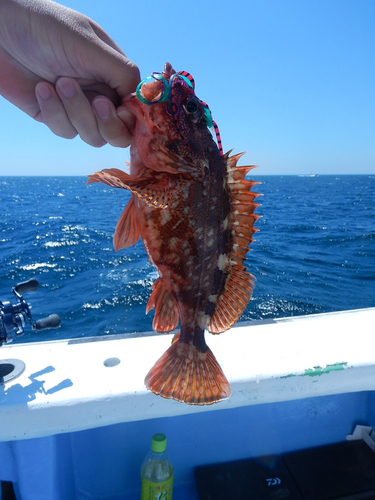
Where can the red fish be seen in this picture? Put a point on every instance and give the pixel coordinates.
(194, 211)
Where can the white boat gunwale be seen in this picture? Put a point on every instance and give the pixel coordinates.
(66, 386)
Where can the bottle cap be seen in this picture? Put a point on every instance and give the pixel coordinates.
(159, 443)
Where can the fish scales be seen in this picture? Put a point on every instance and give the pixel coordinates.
(185, 243)
(194, 211)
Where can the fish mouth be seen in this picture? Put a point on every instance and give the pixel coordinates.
(156, 88)
(151, 90)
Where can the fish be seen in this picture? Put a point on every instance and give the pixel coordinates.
(194, 211)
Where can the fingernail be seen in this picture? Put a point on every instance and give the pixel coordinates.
(43, 91)
(66, 87)
(102, 108)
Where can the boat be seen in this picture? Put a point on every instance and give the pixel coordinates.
(76, 419)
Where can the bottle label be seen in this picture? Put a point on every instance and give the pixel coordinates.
(157, 491)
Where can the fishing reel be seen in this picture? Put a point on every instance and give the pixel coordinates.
(13, 316)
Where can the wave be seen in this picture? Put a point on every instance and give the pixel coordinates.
(315, 252)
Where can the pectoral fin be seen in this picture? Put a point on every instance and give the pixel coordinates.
(111, 177)
(127, 231)
(156, 189)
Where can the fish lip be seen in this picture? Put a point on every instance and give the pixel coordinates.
(129, 98)
(133, 104)
(154, 89)
(140, 110)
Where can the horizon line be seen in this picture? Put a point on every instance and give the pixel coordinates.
(252, 175)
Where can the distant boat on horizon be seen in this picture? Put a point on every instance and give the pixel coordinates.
(307, 175)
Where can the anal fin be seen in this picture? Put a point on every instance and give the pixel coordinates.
(166, 312)
(188, 375)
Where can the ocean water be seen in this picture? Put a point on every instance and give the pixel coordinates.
(314, 253)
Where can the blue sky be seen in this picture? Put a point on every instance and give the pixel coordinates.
(292, 82)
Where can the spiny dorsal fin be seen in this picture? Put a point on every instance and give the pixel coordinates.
(239, 284)
(127, 231)
(186, 374)
(166, 312)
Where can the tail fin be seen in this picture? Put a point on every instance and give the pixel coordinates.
(188, 375)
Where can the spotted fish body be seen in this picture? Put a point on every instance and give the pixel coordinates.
(194, 211)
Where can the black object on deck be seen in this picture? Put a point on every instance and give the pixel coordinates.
(333, 472)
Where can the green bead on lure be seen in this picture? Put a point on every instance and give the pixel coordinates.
(164, 91)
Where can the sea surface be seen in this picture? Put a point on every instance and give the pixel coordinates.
(314, 253)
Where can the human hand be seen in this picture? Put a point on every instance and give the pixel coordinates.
(62, 69)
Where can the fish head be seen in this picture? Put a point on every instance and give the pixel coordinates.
(172, 131)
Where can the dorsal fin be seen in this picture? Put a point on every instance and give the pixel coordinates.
(165, 305)
(232, 300)
(127, 231)
(239, 283)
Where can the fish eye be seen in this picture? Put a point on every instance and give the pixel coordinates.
(192, 107)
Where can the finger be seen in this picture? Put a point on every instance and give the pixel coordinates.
(125, 78)
(52, 111)
(112, 129)
(111, 65)
(79, 111)
(127, 117)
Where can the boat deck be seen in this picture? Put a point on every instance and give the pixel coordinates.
(78, 421)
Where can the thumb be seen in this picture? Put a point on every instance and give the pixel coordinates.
(112, 66)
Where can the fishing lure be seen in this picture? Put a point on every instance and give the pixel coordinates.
(167, 93)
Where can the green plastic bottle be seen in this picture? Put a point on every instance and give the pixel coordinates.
(157, 471)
